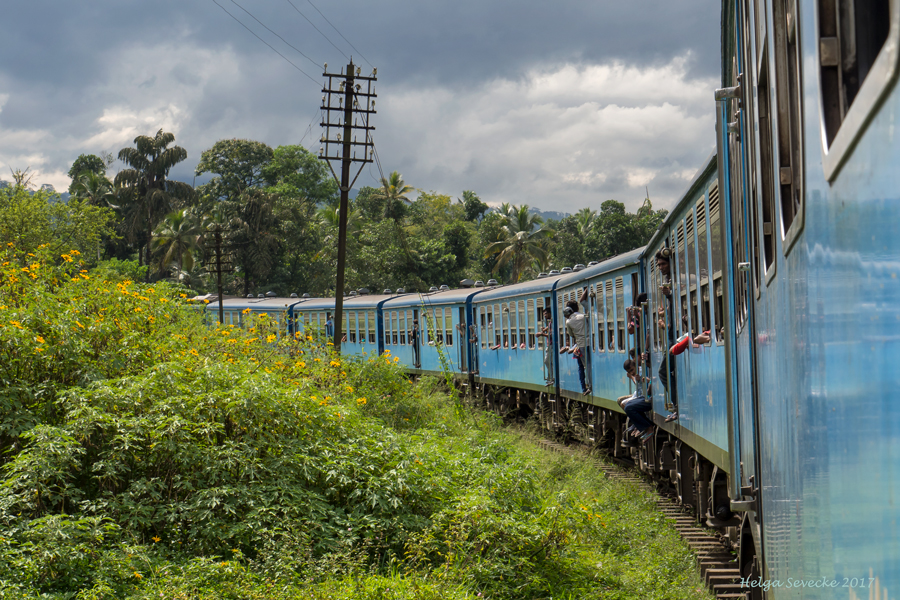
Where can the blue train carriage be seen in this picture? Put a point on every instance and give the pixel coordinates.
(508, 355)
(235, 311)
(420, 328)
(613, 286)
(690, 402)
(367, 329)
(810, 183)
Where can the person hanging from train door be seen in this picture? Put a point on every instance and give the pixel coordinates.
(666, 322)
(547, 332)
(637, 406)
(577, 327)
(414, 340)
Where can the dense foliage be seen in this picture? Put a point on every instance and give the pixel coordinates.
(272, 213)
(148, 455)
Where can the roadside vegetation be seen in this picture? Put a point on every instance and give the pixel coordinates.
(147, 455)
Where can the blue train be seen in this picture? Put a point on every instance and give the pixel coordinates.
(780, 429)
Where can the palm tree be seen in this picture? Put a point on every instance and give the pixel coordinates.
(94, 188)
(585, 219)
(147, 183)
(178, 236)
(394, 193)
(523, 242)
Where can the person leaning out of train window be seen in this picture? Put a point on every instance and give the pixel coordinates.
(577, 327)
(473, 336)
(662, 263)
(636, 408)
(329, 326)
(686, 341)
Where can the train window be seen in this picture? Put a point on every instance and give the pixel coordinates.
(599, 316)
(401, 325)
(395, 333)
(856, 67)
(766, 157)
(539, 314)
(482, 320)
(610, 317)
(703, 263)
(717, 255)
(498, 326)
(523, 325)
(530, 319)
(620, 312)
(409, 326)
(351, 327)
(372, 324)
(788, 113)
(438, 324)
(692, 272)
(510, 310)
(560, 321)
(448, 326)
(504, 323)
(386, 317)
(682, 282)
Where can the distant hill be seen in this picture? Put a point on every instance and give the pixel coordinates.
(551, 214)
(47, 187)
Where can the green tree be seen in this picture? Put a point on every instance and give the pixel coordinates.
(237, 164)
(395, 194)
(30, 219)
(147, 182)
(474, 207)
(94, 188)
(295, 172)
(177, 237)
(87, 163)
(523, 242)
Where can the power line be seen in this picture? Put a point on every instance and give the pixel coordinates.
(339, 33)
(266, 43)
(319, 30)
(276, 35)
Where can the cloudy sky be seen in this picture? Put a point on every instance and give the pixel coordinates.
(559, 105)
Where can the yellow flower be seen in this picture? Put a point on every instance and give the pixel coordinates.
(271, 338)
(138, 309)
(349, 389)
(396, 359)
(138, 575)
(155, 538)
(75, 252)
(300, 364)
(335, 363)
(183, 295)
(16, 324)
(39, 339)
(194, 352)
(360, 401)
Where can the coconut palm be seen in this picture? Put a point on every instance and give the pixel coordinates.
(523, 242)
(394, 193)
(146, 182)
(586, 218)
(178, 237)
(94, 188)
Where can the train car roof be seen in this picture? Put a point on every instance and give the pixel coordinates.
(253, 303)
(535, 286)
(709, 166)
(458, 296)
(355, 302)
(611, 264)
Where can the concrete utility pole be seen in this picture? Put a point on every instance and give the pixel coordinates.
(353, 105)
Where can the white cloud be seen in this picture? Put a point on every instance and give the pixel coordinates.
(556, 139)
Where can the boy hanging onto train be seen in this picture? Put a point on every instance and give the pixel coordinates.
(637, 406)
(577, 327)
(667, 365)
(547, 332)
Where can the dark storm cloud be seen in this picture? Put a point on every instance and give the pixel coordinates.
(476, 95)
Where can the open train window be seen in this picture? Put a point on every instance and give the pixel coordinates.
(539, 341)
(702, 263)
(681, 313)
(598, 315)
(523, 325)
(717, 255)
(788, 115)
(692, 271)
(857, 65)
(372, 327)
(620, 312)
(530, 319)
(395, 328)
(610, 317)
(448, 326)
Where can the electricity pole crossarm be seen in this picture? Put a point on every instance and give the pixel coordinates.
(353, 100)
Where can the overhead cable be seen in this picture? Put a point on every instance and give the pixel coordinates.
(319, 30)
(276, 35)
(339, 33)
(266, 43)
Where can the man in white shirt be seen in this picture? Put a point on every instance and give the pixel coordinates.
(577, 327)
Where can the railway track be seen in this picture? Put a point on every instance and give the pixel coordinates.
(716, 561)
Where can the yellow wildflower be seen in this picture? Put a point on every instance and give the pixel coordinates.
(271, 338)
(360, 401)
(155, 538)
(39, 339)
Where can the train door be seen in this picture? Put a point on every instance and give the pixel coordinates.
(462, 344)
(416, 340)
